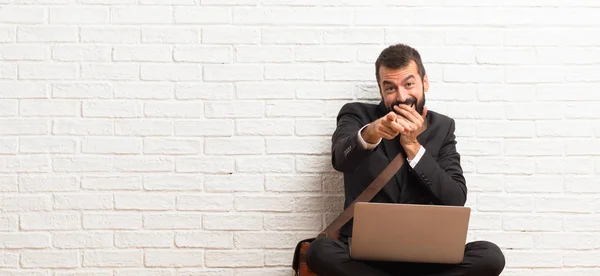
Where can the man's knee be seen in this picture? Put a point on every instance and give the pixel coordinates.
(321, 252)
(491, 261)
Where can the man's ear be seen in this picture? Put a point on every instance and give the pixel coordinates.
(425, 83)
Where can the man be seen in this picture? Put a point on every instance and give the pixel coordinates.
(368, 137)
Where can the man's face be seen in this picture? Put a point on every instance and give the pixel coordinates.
(403, 86)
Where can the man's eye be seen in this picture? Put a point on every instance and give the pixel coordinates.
(389, 88)
(410, 84)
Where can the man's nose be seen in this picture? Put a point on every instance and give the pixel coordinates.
(402, 95)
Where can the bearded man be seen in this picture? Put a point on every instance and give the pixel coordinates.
(368, 137)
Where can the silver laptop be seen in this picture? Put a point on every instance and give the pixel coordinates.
(409, 232)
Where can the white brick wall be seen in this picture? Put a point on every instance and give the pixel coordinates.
(192, 137)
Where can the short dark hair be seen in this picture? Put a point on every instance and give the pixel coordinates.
(397, 56)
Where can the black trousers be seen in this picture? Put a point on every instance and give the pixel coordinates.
(327, 257)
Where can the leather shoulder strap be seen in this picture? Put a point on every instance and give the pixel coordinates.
(333, 229)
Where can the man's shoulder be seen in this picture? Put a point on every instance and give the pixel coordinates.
(437, 118)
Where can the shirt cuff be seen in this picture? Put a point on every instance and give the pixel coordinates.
(363, 143)
(415, 161)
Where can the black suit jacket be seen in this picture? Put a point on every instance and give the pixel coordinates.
(436, 179)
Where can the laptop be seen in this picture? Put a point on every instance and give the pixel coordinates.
(409, 232)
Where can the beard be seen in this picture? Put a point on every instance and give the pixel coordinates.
(412, 102)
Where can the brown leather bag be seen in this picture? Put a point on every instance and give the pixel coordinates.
(333, 230)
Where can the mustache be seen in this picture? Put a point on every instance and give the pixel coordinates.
(410, 101)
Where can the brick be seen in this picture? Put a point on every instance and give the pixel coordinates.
(272, 164)
(22, 89)
(174, 258)
(83, 273)
(155, 53)
(170, 72)
(13, 14)
(237, 258)
(82, 164)
(353, 36)
(28, 71)
(296, 16)
(504, 129)
(275, 54)
(50, 221)
(535, 111)
(8, 184)
(229, 3)
(325, 91)
(506, 93)
(314, 164)
(476, 74)
(201, 239)
(485, 183)
(568, 128)
(534, 184)
(173, 146)
(53, 108)
(8, 34)
(500, 203)
(81, 90)
(107, 145)
(29, 272)
(580, 259)
(581, 111)
(87, 126)
(582, 184)
(302, 145)
(108, 183)
(112, 258)
(9, 260)
(47, 34)
(78, 15)
(140, 15)
(235, 72)
(110, 72)
(290, 35)
(529, 222)
(511, 165)
(568, 165)
(576, 147)
(265, 127)
(109, 2)
(537, 147)
(145, 201)
(203, 15)
(564, 241)
(9, 222)
(204, 54)
(205, 202)
(144, 272)
(382, 16)
(205, 128)
(112, 109)
(233, 222)
(295, 108)
(143, 127)
(549, 56)
(48, 183)
(479, 147)
(556, 92)
(264, 240)
(171, 34)
(162, 91)
(143, 239)
(263, 203)
(87, 240)
(332, 182)
(348, 73)
(173, 183)
(25, 240)
(110, 34)
(231, 35)
(278, 257)
(234, 146)
(50, 259)
(24, 52)
(293, 222)
(204, 91)
(112, 221)
(212, 164)
(165, 2)
(173, 221)
(236, 109)
(564, 204)
(478, 111)
(234, 183)
(578, 222)
(24, 164)
(9, 145)
(531, 259)
(83, 202)
(506, 56)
